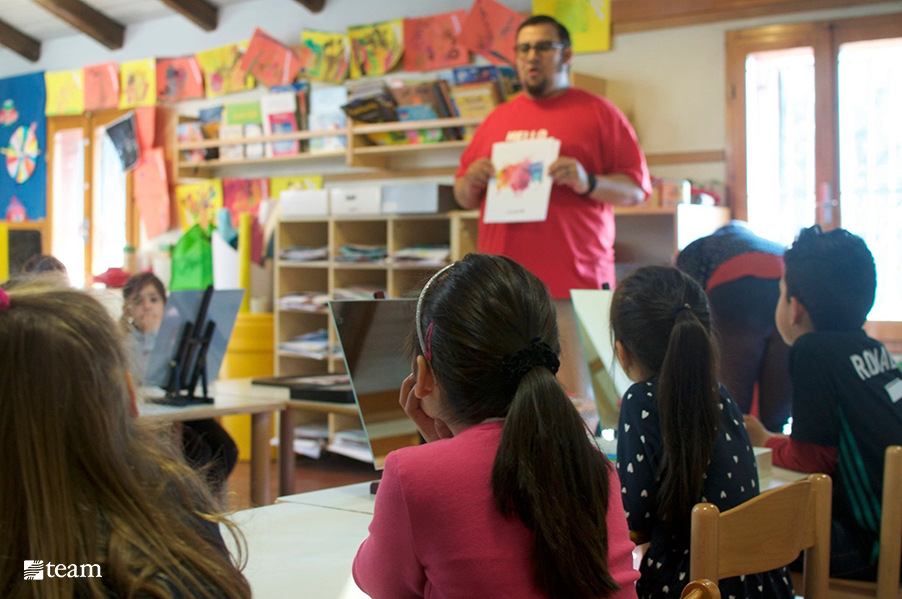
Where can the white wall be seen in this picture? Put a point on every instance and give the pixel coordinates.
(670, 83)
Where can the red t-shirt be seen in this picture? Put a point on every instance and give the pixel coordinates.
(574, 247)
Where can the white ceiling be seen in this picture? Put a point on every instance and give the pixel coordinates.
(34, 21)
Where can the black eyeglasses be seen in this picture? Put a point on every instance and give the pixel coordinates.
(540, 47)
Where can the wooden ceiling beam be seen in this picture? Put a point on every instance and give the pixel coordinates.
(200, 12)
(312, 5)
(23, 45)
(87, 20)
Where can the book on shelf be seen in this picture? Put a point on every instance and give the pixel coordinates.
(210, 121)
(474, 100)
(373, 102)
(190, 132)
(253, 151)
(353, 444)
(326, 115)
(504, 78)
(234, 151)
(278, 111)
(301, 91)
(420, 112)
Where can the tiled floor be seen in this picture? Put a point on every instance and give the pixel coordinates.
(310, 475)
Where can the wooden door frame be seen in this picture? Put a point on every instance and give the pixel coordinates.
(54, 125)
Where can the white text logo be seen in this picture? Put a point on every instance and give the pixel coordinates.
(34, 570)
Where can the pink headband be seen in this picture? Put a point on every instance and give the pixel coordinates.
(4, 301)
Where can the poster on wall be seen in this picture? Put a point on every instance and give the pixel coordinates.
(325, 56)
(270, 62)
(137, 83)
(65, 92)
(198, 203)
(23, 143)
(123, 133)
(101, 86)
(179, 79)
(432, 43)
(222, 70)
(588, 21)
(377, 48)
(491, 31)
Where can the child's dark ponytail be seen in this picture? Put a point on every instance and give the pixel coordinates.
(661, 317)
(490, 330)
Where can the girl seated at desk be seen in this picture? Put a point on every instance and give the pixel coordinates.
(206, 445)
(509, 497)
(681, 438)
(83, 481)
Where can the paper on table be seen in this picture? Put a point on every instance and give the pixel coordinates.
(521, 188)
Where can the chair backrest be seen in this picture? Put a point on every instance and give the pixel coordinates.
(765, 533)
(888, 564)
(701, 589)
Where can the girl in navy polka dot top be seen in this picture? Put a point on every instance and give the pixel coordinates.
(681, 437)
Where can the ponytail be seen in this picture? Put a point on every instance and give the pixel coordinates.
(688, 402)
(549, 475)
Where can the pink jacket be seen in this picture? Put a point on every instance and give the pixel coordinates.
(436, 533)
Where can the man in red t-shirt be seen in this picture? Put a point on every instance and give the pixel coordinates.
(600, 166)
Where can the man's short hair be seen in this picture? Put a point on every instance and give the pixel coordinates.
(833, 275)
(562, 33)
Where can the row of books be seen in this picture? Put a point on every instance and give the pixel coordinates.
(468, 92)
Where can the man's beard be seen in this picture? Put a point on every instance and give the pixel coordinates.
(538, 89)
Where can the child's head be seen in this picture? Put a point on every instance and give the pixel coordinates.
(79, 475)
(487, 339)
(662, 328)
(145, 299)
(829, 283)
(43, 263)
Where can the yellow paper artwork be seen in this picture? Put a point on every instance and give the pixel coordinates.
(198, 203)
(138, 83)
(588, 21)
(222, 70)
(376, 48)
(65, 92)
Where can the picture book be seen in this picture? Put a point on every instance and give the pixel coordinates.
(278, 111)
(326, 115)
(375, 49)
(222, 70)
(179, 79)
(521, 188)
(138, 83)
(210, 121)
(474, 100)
(101, 86)
(420, 112)
(491, 31)
(269, 61)
(65, 92)
(198, 203)
(431, 42)
(588, 21)
(255, 150)
(242, 113)
(190, 132)
(234, 151)
(325, 56)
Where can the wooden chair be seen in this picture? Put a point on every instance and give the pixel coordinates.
(765, 533)
(701, 589)
(887, 585)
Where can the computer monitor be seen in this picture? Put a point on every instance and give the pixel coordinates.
(609, 382)
(373, 336)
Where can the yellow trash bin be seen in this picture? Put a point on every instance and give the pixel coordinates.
(250, 354)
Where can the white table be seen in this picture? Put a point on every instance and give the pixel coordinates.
(232, 397)
(296, 550)
(350, 498)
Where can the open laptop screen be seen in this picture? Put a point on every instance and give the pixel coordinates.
(373, 336)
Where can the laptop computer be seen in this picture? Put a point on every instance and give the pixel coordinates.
(373, 335)
(609, 382)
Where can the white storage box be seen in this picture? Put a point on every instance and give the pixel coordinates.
(304, 202)
(417, 198)
(355, 200)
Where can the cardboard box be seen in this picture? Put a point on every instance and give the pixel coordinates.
(355, 200)
(304, 202)
(417, 198)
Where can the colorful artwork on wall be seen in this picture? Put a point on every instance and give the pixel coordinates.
(325, 56)
(270, 62)
(491, 31)
(179, 79)
(137, 83)
(23, 143)
(65, 92)
(377, 48)
(101, 86)
(588, 21)
(432, 42)
(222, 70)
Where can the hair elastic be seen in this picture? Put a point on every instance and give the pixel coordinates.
(538, 353)
(4, 301)
(425, 347)
(678, 309)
